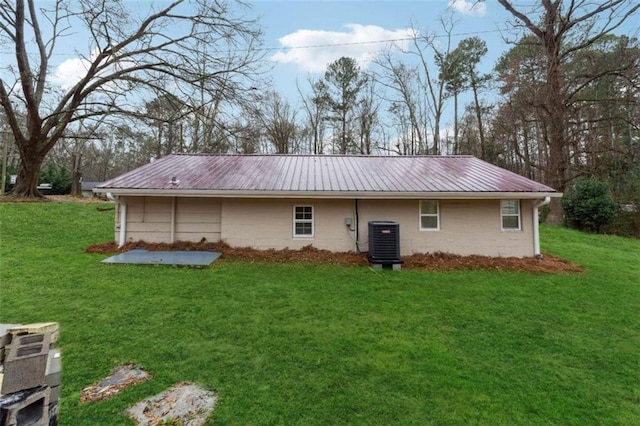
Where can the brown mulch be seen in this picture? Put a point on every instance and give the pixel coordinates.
(308, 254)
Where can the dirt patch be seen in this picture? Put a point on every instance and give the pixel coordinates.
(183, 404)
(308, 254)
(10, 198)
(120, 378)
(79, 200)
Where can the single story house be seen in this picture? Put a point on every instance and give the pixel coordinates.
(87, 188)
(453, 204)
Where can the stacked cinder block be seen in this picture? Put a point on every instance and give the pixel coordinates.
(30, 373)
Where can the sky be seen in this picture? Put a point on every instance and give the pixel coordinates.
(356, 28)
(302, 37)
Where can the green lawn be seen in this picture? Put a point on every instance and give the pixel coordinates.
(300, 344)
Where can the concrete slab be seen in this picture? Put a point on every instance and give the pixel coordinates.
(179, 258)
(183, 404)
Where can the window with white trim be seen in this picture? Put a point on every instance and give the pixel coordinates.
(303, 221)
(429, 215)
(510, 214)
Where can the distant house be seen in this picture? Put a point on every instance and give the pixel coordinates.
(87, 188)
(454, 204)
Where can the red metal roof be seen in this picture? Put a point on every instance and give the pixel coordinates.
(322, 174)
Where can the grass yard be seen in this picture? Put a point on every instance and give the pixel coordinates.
(316, 345)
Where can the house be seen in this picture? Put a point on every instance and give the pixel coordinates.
(87, 188)
(454, 204)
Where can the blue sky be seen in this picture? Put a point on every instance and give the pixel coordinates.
(355, 28)
(311, 23)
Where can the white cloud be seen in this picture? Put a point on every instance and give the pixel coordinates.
(472, 7)
(355, 42)
(71, 71)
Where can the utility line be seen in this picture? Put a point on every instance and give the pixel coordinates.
(319, 46)
(355, 43)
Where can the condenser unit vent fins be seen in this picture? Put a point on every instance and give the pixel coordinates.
(384, 242)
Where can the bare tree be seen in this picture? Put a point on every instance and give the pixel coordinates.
(129, 57)
(563, 28)
(277, 119)
(433, 83)
(406, 99)
(367, 117)
(315, 107)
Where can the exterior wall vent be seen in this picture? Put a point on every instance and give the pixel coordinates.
(384, 243)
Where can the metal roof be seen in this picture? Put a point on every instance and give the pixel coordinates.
(321, 175)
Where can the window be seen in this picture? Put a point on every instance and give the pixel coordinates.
(303, 221)
(510, 212)
(429, 215)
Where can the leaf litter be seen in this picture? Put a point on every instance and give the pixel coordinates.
(311, 255)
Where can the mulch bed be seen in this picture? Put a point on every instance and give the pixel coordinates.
(308, 254)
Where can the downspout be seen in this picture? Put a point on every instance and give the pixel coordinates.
(122, 209)
(536, 227)
(357, 224)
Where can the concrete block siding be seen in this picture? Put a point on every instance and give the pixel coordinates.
(467, 226)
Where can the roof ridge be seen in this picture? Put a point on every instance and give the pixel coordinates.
(206, 154)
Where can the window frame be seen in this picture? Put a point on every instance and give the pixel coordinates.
(311, 221)
(436, 215)
(503, 215)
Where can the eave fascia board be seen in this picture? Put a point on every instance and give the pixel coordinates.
(363, 195)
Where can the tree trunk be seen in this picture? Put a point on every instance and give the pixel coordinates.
(343, 137)
(483, 147)
(557, 163)
(28, 175)
(436, 136)
(456, 142)
(76, 181)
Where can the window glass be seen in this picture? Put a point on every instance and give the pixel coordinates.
(429, 222)
(429, 207)
(303, 221)
(510, 207)
(303, 213)
(510, 212)
(429, 215)
(303, 229)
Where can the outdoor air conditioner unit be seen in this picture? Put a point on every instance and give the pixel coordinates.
(384, 243)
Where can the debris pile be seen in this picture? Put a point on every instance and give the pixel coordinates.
(120, 378)
(183, 404)
(30, 370)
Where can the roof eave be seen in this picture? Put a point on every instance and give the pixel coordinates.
(324, 194)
